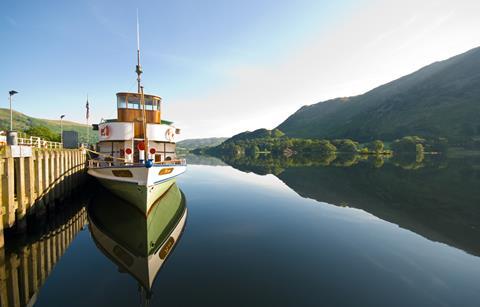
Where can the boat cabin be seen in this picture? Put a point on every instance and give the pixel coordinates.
(124, 137)
(130, 109)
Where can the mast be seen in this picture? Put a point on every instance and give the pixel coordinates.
(138, 69)
(144, 117)
(140, 91)
(87, 117)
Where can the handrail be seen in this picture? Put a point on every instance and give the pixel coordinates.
(38, 142)
(92, 163)
(105, 155)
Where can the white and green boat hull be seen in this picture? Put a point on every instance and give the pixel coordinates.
(141, 186)
(141, 196)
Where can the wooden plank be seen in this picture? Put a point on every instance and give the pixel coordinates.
(46, 176)
(20, 186)
(69, 172)
(9, 188)
(2, 202)
(62, 173)
(24, 278)
(52, 176)
(48, 256)
(57, 175)
(3, 279)
(39, 188)
(30, 175)
(42, 261)
(13, 270)
(33, 267)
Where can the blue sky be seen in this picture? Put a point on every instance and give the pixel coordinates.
(217, 64)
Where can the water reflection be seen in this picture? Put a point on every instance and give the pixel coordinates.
(267, 164)
(138, 244)
(434, 196)
(27, 261)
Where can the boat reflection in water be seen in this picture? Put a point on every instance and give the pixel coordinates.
(138, 244)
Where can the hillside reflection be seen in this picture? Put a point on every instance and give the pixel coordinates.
(434, 196)
(137, 244)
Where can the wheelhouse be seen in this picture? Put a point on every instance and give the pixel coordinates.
(124, 137)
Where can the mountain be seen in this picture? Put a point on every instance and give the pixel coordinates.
(439, 100)
(191, 144)
(22, 122)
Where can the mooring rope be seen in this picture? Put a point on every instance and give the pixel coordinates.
(102, 154)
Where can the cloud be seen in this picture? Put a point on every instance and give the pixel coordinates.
(367, 48)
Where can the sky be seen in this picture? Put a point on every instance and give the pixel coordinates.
(220, 66)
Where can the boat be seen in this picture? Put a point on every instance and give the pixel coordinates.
(138, 244)
(135, 157)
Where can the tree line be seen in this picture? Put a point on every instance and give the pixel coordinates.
(276, 145)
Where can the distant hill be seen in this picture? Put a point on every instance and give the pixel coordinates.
(22, 122)
(256, 134)
(192, 144)
(439, 100)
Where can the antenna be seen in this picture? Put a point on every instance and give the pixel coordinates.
(138, 69)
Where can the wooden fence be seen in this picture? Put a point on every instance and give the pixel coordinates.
(32, 181)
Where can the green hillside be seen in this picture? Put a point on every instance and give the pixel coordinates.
(439, 100)
(22, 122)
(192, 144)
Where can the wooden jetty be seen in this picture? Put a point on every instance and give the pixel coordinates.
(33, 178)
(24, 270)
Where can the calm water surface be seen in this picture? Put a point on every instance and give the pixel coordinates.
(319, 235)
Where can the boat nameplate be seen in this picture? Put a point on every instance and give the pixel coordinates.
(122, 173)
(165, 171)
(167, 248)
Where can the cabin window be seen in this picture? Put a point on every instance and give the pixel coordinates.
(133, 102)
(121, 102)
(149, 103)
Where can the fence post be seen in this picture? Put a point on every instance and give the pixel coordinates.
(3, 277)
(9, 187)
(46, 177)
(30, 181)
(21, 199)
(51, 191)
(62, 174)
(39, 184)
(2, 204)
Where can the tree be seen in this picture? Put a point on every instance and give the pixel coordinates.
(346, 145)
(43, 132)
(252, 150)
(378, 146)
(407, 144)
(419, 153)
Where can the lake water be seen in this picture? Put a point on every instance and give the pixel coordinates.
(377, 234)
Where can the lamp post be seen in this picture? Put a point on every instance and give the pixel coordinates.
(12, 92)
(61, 128)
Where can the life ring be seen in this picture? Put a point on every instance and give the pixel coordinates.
(170, 134)
(105, 131)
